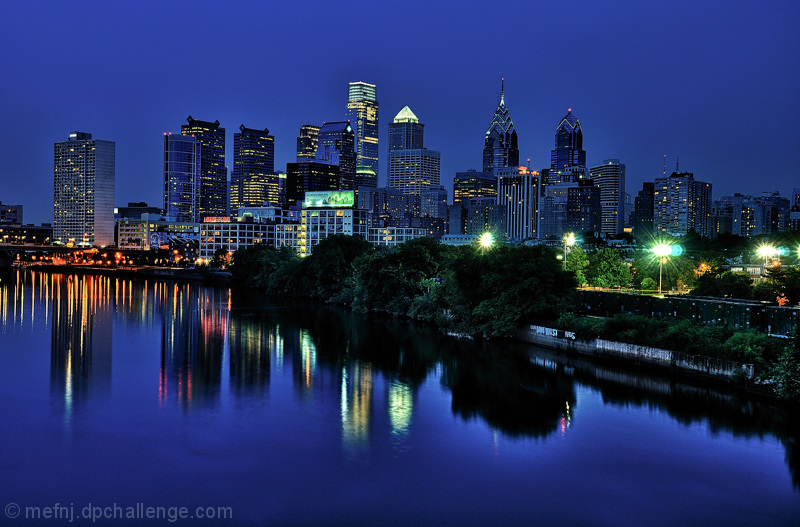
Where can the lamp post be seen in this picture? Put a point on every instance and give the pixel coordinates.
(662, 251)
(766, 252)
(569, 241)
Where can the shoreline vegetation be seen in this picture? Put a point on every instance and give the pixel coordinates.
(472, 291)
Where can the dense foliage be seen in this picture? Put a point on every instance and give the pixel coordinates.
(461, 289)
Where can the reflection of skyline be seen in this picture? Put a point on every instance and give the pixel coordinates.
(194, 326)
(251, 346)
(400, 402)
(356, 402)
(371, 370)
(81, 337)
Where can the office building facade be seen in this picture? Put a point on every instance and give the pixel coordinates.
(609, 177)
(682, 204)
(253, 178)
(182, 177)
(83, 191)
(473, 184)
(213, 171)
(518, 194)
(309, 176)
(411, 170)
(362, 112)
(336, 146)
(568, 151)
(307, 142)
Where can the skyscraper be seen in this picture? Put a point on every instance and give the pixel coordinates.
(182, 178)
(412, 168)
(309, 176)
(406, 132)
(500, 148)
(213, 172)
(307, 142)
(473, 184)
(610, 179)
(362, 112)
(642, 217)
(83, 191)
(568, 151)
(518, 195)
(253, 179)
(682, 204)
(336, 146)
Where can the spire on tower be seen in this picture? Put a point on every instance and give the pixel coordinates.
(502, 91)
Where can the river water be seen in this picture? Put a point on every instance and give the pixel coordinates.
(118, 395)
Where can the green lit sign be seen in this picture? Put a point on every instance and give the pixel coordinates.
(329, 199)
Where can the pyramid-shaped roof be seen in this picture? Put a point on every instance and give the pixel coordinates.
(406, 116)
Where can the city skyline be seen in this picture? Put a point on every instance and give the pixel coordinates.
(708, 97)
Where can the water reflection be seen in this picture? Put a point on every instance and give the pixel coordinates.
(356, 402)
(193, 334)
(81, 335)
(371, 368)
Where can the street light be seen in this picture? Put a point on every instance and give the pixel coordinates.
(661, 250)
(766, 252)
(486, 241)
(569, 241)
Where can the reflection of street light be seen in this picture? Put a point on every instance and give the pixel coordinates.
(766, 252)
(569, 241)
(662, 251)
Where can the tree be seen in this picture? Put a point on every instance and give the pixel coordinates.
(648, 284)
(577, 262)
(607, 269)
(725, 285)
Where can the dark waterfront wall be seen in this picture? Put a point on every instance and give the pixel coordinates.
(741, 314)
(674, 360)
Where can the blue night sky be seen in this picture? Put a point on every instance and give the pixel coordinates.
(715, 83)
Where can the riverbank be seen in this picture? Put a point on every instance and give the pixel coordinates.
(684, 363)
(212, 276)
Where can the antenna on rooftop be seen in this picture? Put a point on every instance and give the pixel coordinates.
(677, 164)
(664, 173)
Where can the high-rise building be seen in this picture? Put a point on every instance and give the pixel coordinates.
(411, 170)
(336, 146)
(83, 191)
(568, 151)
(572, 206)
(307, 142)
(682, 204)
(609, 177)
(253, 178)
(500, 148)
(213, 171)
(406, 132)
(182, 178)
(362, 111)
(309, 175)
(642, 216)
(433, 202)
(365, 177)
(518, 194)
(483, 215)
(473, 184)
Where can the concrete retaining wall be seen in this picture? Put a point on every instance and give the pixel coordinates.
(696, 364)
